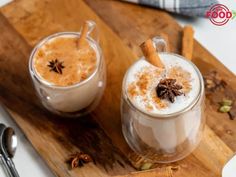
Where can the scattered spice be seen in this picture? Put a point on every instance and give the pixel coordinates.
(132, 90)
(146, 166)
(143, 82)
(182, 77)
(217, 90)
(79, 159)
(159, 104)
(226, 102)
(214, 82)
(167, 89)
(226, 105)
(224, 109)
(56, 66)
(147, 78)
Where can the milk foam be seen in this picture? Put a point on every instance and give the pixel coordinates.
(78, 62)
(169, 61)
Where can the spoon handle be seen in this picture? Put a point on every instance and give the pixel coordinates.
(5, 165)
(12, 167)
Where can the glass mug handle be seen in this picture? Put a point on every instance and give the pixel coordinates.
(93, 30)
(160, 44)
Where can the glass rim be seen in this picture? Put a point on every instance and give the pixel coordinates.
(174, 114)
(34, 74)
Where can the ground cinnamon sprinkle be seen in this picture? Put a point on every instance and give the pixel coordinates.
(143, 82)
(132, 90)
(149, 107)
(78, 64)
(147, 79)
(83, 75)
(160, 104)
(40, 53)
(182, 77)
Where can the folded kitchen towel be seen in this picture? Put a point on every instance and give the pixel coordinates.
(184, 7)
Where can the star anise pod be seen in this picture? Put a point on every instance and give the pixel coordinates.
(79, 159)
(168, 89)
(56, 66)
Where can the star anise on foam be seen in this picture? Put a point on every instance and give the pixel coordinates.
(168, 89)
(56, 66)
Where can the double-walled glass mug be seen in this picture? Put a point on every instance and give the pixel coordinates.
(77, 99)
(163, 138)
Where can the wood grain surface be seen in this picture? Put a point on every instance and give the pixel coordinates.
(24, 23)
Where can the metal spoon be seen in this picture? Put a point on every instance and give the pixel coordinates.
(9, 148)
(10, 140)
(2, 158)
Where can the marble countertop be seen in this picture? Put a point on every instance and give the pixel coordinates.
(220, 41)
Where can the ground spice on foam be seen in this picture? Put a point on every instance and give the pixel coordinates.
(143, 83)
(146, 80)
(182, 78)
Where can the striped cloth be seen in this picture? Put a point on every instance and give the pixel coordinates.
(184, 7)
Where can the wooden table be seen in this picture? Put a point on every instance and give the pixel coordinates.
(122, 28)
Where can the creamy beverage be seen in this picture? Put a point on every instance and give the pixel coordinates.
(68, 72)
(158, 126)
(59, 61)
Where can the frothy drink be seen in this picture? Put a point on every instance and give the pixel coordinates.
(74, 65)
(160, 132)
(143, 79)
(69, 78)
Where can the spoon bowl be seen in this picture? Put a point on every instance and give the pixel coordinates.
(10, 141)
(3, 156)
(8, 148)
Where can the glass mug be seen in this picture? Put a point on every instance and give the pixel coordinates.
(80, 98)
(163, 138)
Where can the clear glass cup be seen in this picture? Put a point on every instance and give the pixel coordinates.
(166, 137)
(80, 98)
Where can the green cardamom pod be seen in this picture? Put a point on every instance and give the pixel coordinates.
(225, 109)
(226, 102)
(146, 166)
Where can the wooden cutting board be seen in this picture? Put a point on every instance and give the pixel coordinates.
(122, 28)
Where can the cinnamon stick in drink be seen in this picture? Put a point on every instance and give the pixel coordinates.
(150, 53)
(82, 42)
(187, 42)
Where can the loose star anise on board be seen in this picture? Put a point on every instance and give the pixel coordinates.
(168, 89)
(79, 159)
(56, 66)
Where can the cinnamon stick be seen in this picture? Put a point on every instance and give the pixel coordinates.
(187, 42)
(82, 42)
(150, 53)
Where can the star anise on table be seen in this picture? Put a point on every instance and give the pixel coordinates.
(168, 89)
(56, 66)
(79, 159)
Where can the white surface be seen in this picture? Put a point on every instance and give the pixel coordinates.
(220, 41)
(230, 168)
(3, 2)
